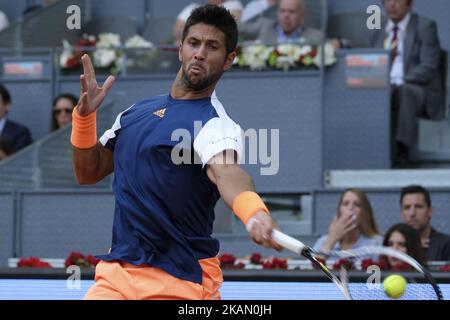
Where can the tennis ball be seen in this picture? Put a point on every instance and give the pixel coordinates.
(394, 286)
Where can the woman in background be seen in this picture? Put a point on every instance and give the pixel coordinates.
(353, 226)
(406, 239)
(62, 110)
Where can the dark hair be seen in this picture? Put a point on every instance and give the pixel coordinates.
(412, 241)
(218, 17)
(6, 97)
(415, 189)
(68, 96)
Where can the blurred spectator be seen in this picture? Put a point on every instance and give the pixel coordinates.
(3, 21)
(414, 71)
(62, 110)
(5, 149)
(416, 210)
(406, 239)
(17, 135)
(287, 29)
(353, 226)
(234, 6)
(255, 8)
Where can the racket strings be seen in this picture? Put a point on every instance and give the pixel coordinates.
(419, 287)
(372, 291)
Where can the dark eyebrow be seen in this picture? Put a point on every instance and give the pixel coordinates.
(192, 38)
(213, 41)
(209, 41)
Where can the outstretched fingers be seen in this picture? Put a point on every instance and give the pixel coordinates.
(84, 85)
(88, 69)
(108, 84)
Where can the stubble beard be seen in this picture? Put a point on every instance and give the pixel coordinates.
(200, 85)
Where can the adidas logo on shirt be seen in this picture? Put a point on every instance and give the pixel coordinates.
(160, 113)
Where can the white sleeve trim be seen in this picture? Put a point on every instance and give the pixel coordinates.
(111, 133)
(218, 135)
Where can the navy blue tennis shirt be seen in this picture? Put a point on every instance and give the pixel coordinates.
(164, 210)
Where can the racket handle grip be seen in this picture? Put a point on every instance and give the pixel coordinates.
(288, 242)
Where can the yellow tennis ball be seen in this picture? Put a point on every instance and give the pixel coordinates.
(394, 286)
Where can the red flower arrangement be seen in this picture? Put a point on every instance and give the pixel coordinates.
(347, 264)
(275, 263)
(76, 258)
(445, 268)
(228, 261)
(32, 262)
(71, 58)
(369, 262)
(256, 258)
(401, 267)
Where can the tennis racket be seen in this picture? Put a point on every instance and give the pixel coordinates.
(421, 285)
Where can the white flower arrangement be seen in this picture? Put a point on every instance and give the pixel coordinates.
(66, 53)
(137, 41)
(108, 40)
(140, 52)
(107, 53)
(329, 55)
(71, 55)
(284, 56)
(255, 56)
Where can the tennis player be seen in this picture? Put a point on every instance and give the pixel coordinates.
(164, 212)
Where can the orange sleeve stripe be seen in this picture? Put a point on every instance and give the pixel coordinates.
(247, 204)
(84, 130)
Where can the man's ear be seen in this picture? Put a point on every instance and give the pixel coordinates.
(180, 45)
(229, 60)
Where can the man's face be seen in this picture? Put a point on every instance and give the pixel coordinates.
(3, 107)
(203, 56)
(415, 211)
(396, 9)
(289, 15)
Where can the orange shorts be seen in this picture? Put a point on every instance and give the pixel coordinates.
(121, 280)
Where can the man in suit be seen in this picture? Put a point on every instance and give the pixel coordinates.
(13, 133)
(287, 29)
(417, 211)
(414, 74)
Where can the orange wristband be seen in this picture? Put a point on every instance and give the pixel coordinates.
(247, 204)
(84, 130)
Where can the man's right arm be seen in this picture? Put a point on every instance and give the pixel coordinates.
(92, 165)
(91, 160)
